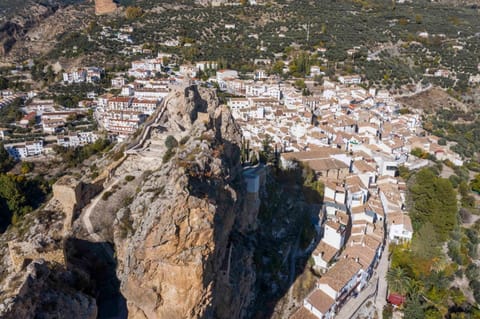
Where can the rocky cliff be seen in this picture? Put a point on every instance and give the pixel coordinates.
(182, 240)
(184, 255)
(31, 28)
(36, 277)
(14, 29)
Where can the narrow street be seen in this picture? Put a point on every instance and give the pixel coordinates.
(349, 309)
(376, 291)
(381, 297)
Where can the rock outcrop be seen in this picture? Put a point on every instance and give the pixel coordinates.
(105, 7)
(36, 278)
(181, 241)
(185, 254)
(45, 293)
(15, 29)
(31, 29)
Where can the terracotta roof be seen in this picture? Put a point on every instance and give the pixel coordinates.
(325, 251)
(396, 299)
(340, 274)
(358, 229)
(318, 153)
(320, 300)
(334, 225)
(342, 217)
(120, 99)
(363, 166)
(353, 183)
(362, 154)
(400, 218)
(326, 164)
(303, 313)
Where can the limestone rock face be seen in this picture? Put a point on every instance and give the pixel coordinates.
(31, 28)
(105, 7)
(185, 255)
(36, 279)
(44, 293)
(181, 242)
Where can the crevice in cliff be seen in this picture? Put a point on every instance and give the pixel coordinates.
(282, 244)
(95, 272)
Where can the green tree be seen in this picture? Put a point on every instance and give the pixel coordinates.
(171, 142)
(267, 154)
(475, 184)
(26, 167)
(11, 191)
(397, 280)
(300, 84)
(277, 68)
(418, 152)
(300, 65)
(425, 243)
(6, 161)
(433, 200)
(4, 83)
(418, 18)
(414, 309)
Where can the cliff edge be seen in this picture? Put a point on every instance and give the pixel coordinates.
(179, 243)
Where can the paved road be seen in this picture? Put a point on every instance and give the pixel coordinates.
(381, 298)
(376, 291)
(418, 90)
(349, 309)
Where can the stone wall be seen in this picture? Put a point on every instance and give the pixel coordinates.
(20, 252)
(73, 195)
(68, 192)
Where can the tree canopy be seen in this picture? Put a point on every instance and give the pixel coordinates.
(19, 195)
(433, 201)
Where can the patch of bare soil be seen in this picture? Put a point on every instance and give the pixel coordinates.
(432, 100)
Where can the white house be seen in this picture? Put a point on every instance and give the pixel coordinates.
(75, 76)
(334, 192)
(150, 94)
(341, 280)
(399, 227)
(320, 304)
(324, 254)
(357, 192)
(118, 82)
(334, 234)
(365, 172)
(350, 79)
(24, 150)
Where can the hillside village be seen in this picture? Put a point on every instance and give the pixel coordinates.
(311, 159)
(339, 114)
(354, 139)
